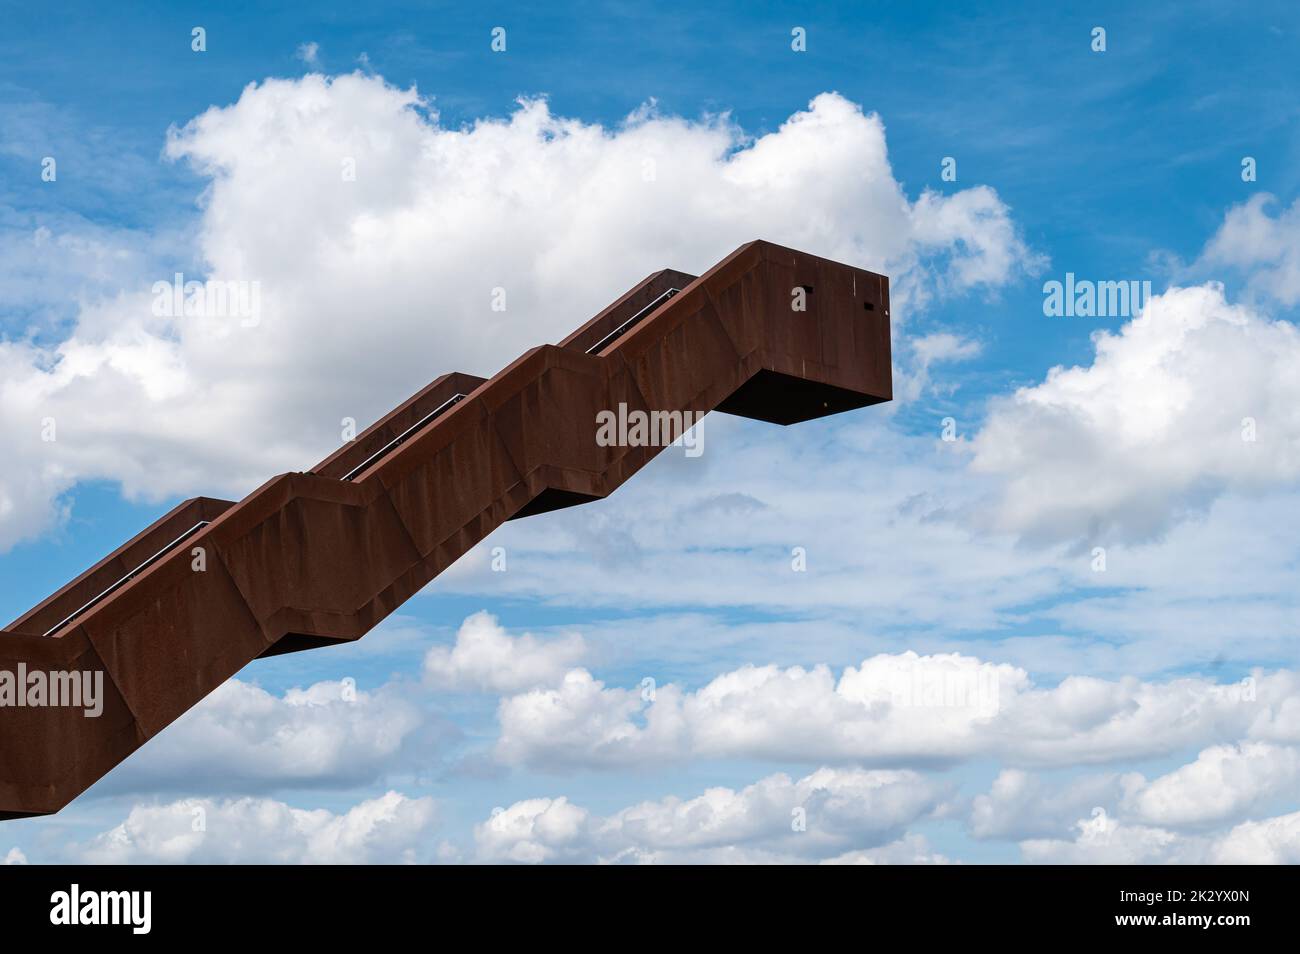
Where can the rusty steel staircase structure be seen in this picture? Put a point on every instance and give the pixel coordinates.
(318, 558)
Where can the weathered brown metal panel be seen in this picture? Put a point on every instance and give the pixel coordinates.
(312, 559)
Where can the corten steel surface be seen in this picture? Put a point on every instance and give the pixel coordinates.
(315, 558)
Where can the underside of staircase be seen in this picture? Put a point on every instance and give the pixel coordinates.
(317, 558)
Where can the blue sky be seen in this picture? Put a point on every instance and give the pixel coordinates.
(1115, 165)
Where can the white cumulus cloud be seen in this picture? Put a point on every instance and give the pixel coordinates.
(1222, 783)
(1102, 839)
(892, 709)
(264, 831)
(1265, 248)
(487, 658)
(1194, 398)
(833, 814)
(375, 237)
(243, 739)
